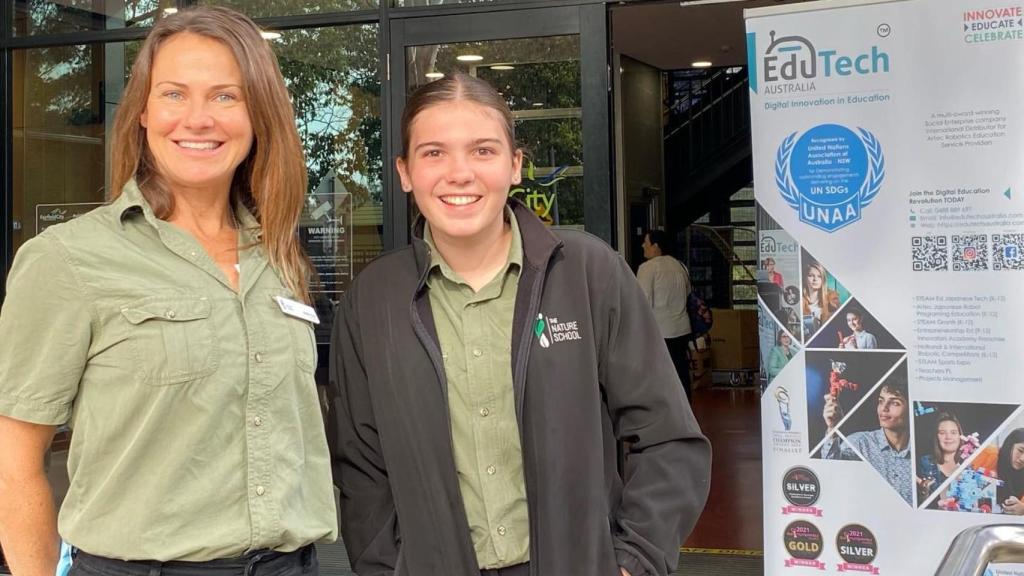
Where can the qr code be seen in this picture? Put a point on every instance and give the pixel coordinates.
(970, 252)
(929, 253)
(1008, 251)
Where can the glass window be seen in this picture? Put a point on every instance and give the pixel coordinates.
(333, 76)
(63, 101)
(741, 292)
(35, 17)
(743, 273)
(743, 194)
(746, 253)
(437, 2)
(540, 80)
(268, 9)
(742, 214)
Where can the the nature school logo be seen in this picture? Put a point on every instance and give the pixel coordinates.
(549, 330)
(792, 64)
(829, 174)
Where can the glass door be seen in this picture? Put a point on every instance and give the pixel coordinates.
(550, 64)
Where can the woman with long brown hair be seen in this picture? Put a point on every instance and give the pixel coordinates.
(171, 330)
(819, 301)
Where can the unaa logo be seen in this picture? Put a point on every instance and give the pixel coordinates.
(829, 174)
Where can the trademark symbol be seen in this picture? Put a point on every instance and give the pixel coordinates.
(884, 30)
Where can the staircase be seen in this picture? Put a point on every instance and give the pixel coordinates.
(706, 140)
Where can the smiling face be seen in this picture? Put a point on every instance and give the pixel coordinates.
(459, 167)
(197, 125)
(948, 436)
(892, 411)
(853, 321)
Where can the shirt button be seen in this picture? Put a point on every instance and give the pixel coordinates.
(502, 530)
(478, 352)
(170, 314)
(260, 490)
(257, 421)
(258, 357)
(484, 412)
(192, 253)
(491, 470)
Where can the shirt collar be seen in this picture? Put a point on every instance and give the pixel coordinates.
(132, 202)
(515, 250)
(883, 441)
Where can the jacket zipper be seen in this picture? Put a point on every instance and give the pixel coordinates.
(522, 361)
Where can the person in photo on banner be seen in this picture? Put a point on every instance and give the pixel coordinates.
(859, 338)
(780, 354)
(886, 448)
(1010, 468)
(150, 326)
(935, 468)
(666, 284)
(775, 277)
(819, 301)
(483, 378)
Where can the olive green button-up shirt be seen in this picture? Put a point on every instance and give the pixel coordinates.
(197, 425)
(475, 333)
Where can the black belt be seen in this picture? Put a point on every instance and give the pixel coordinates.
(250, 563)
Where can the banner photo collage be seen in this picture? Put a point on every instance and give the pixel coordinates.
(887, 137)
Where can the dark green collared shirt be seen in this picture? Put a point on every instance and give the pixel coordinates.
(197, 426)
(475, 333)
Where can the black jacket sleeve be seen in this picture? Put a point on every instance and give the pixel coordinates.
(668, 462)
(369, 523)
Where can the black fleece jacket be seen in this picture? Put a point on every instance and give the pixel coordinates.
(603, 378)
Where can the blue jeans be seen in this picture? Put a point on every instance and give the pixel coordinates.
(302, 562)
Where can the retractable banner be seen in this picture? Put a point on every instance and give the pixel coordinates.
(888, 141)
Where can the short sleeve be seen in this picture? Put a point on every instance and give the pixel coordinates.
(46, 330)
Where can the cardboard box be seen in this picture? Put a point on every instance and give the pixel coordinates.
(734, 340)
(700, 369)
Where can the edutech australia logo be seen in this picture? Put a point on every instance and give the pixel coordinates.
(793, 63)
(829, 174)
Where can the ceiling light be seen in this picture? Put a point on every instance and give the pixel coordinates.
(701, 64)
(434, 75)
(469, 58)
(270, 35)
(169, 11)
(503, 67)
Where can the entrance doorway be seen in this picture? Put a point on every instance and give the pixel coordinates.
(546, 63)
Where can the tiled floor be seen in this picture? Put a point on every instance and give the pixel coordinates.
(732, 519)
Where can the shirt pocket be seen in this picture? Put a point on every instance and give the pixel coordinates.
(300, 334)
(172, 337)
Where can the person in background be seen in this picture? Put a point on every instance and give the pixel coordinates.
(483, 378)
(859, 339)
(1010, 467)
(887, 448)
(780, 354)
(171, 329)
(774, 276)
(933, 469)
(819, 301)
(666, 284)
